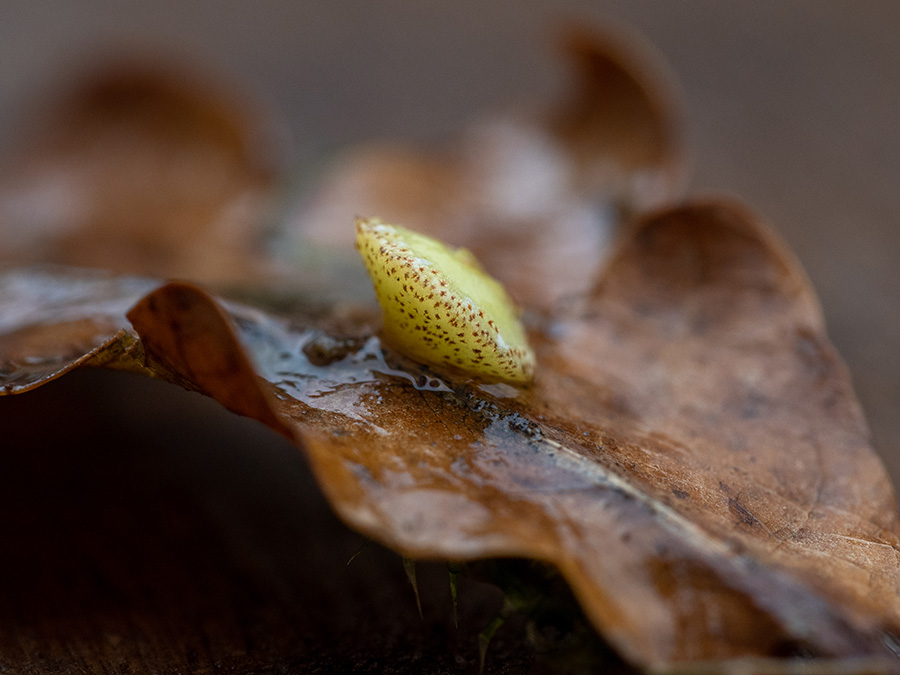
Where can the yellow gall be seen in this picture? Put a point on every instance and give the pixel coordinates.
(440, 307)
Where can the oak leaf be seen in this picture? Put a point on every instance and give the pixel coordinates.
(690, 457)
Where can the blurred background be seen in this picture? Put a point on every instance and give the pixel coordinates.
(791, 106)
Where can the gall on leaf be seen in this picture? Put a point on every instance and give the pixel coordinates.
(440, 307)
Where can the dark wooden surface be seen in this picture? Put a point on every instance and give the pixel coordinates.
(142, 529)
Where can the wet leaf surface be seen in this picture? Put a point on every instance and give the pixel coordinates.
(53, 320)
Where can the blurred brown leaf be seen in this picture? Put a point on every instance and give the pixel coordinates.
(535, 197)
(140, 168)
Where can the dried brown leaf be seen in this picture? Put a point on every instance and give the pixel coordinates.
(621, 125)
(139, 168)
(51, 322)
(193, 339)
(691, 455)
